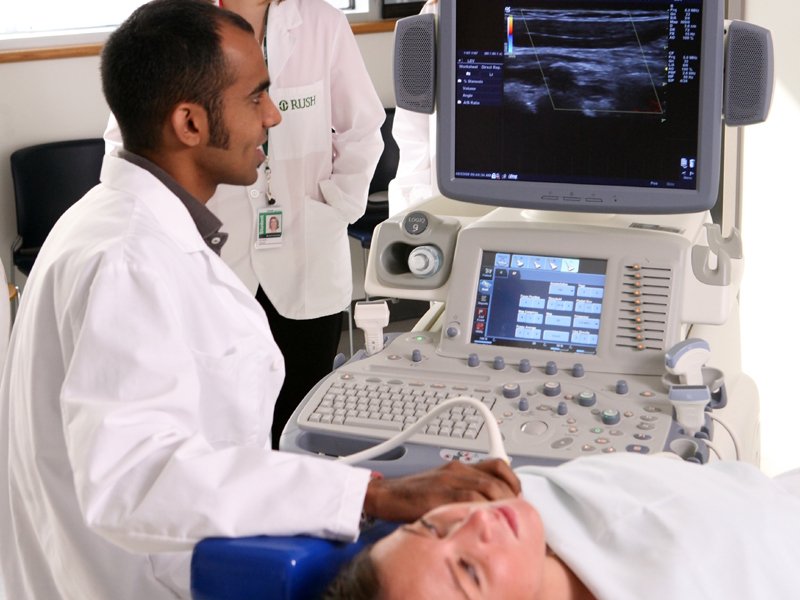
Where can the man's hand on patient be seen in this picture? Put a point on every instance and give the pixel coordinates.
(408, 498)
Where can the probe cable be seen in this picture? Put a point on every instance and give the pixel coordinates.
(496, 449)
(734, 440)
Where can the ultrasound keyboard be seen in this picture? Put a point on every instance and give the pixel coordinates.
(395, 405)
(547, 415)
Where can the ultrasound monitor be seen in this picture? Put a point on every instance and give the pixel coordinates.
(581, 105)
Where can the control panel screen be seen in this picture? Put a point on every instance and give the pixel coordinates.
(539, 302)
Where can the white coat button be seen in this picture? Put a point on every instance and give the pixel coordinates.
(254, 193)
(277, 364)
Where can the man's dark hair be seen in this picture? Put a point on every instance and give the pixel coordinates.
(165, 53)
(358, 580)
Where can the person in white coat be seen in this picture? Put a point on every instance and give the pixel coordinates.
(320, 160)
(137, 397)
(316, 180)
(613, 527)
(415, 134)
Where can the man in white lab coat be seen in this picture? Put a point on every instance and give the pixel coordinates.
(315, 182)
(137, 397)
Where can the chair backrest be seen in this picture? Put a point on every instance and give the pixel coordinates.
(387, 164)
(48, 179)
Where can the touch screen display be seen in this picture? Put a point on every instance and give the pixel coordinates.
(544, 302)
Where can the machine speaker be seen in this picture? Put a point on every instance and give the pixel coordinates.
(415, 63)
(748, 73)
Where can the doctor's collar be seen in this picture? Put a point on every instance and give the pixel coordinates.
(207, 223)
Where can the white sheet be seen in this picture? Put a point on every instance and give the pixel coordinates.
(635, 527)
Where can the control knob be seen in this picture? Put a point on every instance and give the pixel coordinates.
(610, 416)
(425, 261)
(552, 389)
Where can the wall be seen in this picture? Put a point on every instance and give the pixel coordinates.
(770, 218)
(44, 101)
(61, 99)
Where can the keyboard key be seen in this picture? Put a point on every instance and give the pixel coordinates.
(372, 424)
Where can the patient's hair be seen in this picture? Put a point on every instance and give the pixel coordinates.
(165, 53)
(358, 580)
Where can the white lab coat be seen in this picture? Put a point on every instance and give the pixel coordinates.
(322, 157)
(634, 527)
(415, 133)
(136, 408)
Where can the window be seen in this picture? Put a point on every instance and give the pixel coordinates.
(37, 23)
(343, 4)
(400, 8)
(45, 16)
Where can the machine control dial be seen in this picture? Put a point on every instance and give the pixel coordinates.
(473, 360)
(622, 387)
(578, 370)
(551, 368)
(524, 365)
(416, 355)
(425, 261)
(610, 416)
(499, 363)
(552, 389)
(511, 390)
(587, 398)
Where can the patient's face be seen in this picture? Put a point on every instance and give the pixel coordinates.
(466, 551)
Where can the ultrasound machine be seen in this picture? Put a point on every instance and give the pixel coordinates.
(582, 286)
(594, 311)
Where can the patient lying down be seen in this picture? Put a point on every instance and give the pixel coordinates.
(618, 527)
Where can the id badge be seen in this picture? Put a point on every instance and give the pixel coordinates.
(269, 228)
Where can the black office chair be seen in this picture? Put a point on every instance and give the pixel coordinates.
(48, 179)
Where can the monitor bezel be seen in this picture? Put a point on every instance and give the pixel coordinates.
(573, 197)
